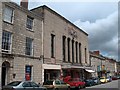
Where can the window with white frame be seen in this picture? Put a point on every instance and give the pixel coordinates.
(29, 23)
(6, 41)
(29, 46)
(8, 14)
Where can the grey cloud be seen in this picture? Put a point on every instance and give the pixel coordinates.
(103, 34)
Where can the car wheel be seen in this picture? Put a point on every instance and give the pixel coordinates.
(90, 84)
(79, 87)
(68, 88)
(84, 86)
(56, 89)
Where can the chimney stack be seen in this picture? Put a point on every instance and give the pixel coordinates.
(96, 52)
(24, 3)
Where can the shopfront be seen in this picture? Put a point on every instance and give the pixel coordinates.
(73, 71)
(51, 72)
(89, 73)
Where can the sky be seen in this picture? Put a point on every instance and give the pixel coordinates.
(98, 18)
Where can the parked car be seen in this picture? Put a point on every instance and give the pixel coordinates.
(109, 79)
(56, 85)
(103, 79)
(114, 78)
(23, 85)
(74, 82)
(96, 80)
(118, 77)
(89, 82)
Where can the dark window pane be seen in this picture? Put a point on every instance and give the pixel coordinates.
(26, 84)
(29, 23)
(33, 84)
(64, 48)
(52, 45)
(29, 46)
(14, 83)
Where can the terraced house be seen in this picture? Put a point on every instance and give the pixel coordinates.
(39, 45)
(103, 66)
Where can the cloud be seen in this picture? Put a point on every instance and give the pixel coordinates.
(103, 34)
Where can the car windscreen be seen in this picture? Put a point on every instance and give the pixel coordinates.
(62, 82)
(48, 83)
(102, 78)
(14, 83)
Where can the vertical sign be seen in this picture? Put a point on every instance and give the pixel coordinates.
(99, 68)
(28, 73)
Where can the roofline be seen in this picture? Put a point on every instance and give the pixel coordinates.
(13, 4)
(46, 7)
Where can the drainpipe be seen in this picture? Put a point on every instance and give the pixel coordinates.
(42, 56)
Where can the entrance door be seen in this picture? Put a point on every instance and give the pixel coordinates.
(5, 68)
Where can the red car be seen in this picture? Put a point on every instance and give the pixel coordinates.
(114, 78)
(74, 82)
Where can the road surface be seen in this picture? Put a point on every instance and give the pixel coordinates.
(114, 85)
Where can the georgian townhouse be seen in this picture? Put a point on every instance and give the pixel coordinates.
(20, 39)
(40, 45)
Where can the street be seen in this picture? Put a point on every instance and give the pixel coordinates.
(107, 86)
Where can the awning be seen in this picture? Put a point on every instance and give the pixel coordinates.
(70, 67)
(89, 70)
(47, 66)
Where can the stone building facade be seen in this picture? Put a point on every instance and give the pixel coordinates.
(118, 68)
(103, 66)
(21, 44)
(39, 45)
(64, 46)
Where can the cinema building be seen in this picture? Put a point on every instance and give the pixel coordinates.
(39, 45)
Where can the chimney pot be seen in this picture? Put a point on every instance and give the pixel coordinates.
(97, 52)
(24, 3)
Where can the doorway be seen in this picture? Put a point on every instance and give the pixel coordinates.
(5, 68)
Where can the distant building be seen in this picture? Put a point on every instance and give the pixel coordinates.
(39, 45)
(103, 66)
(118, 68)
(96, 62)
